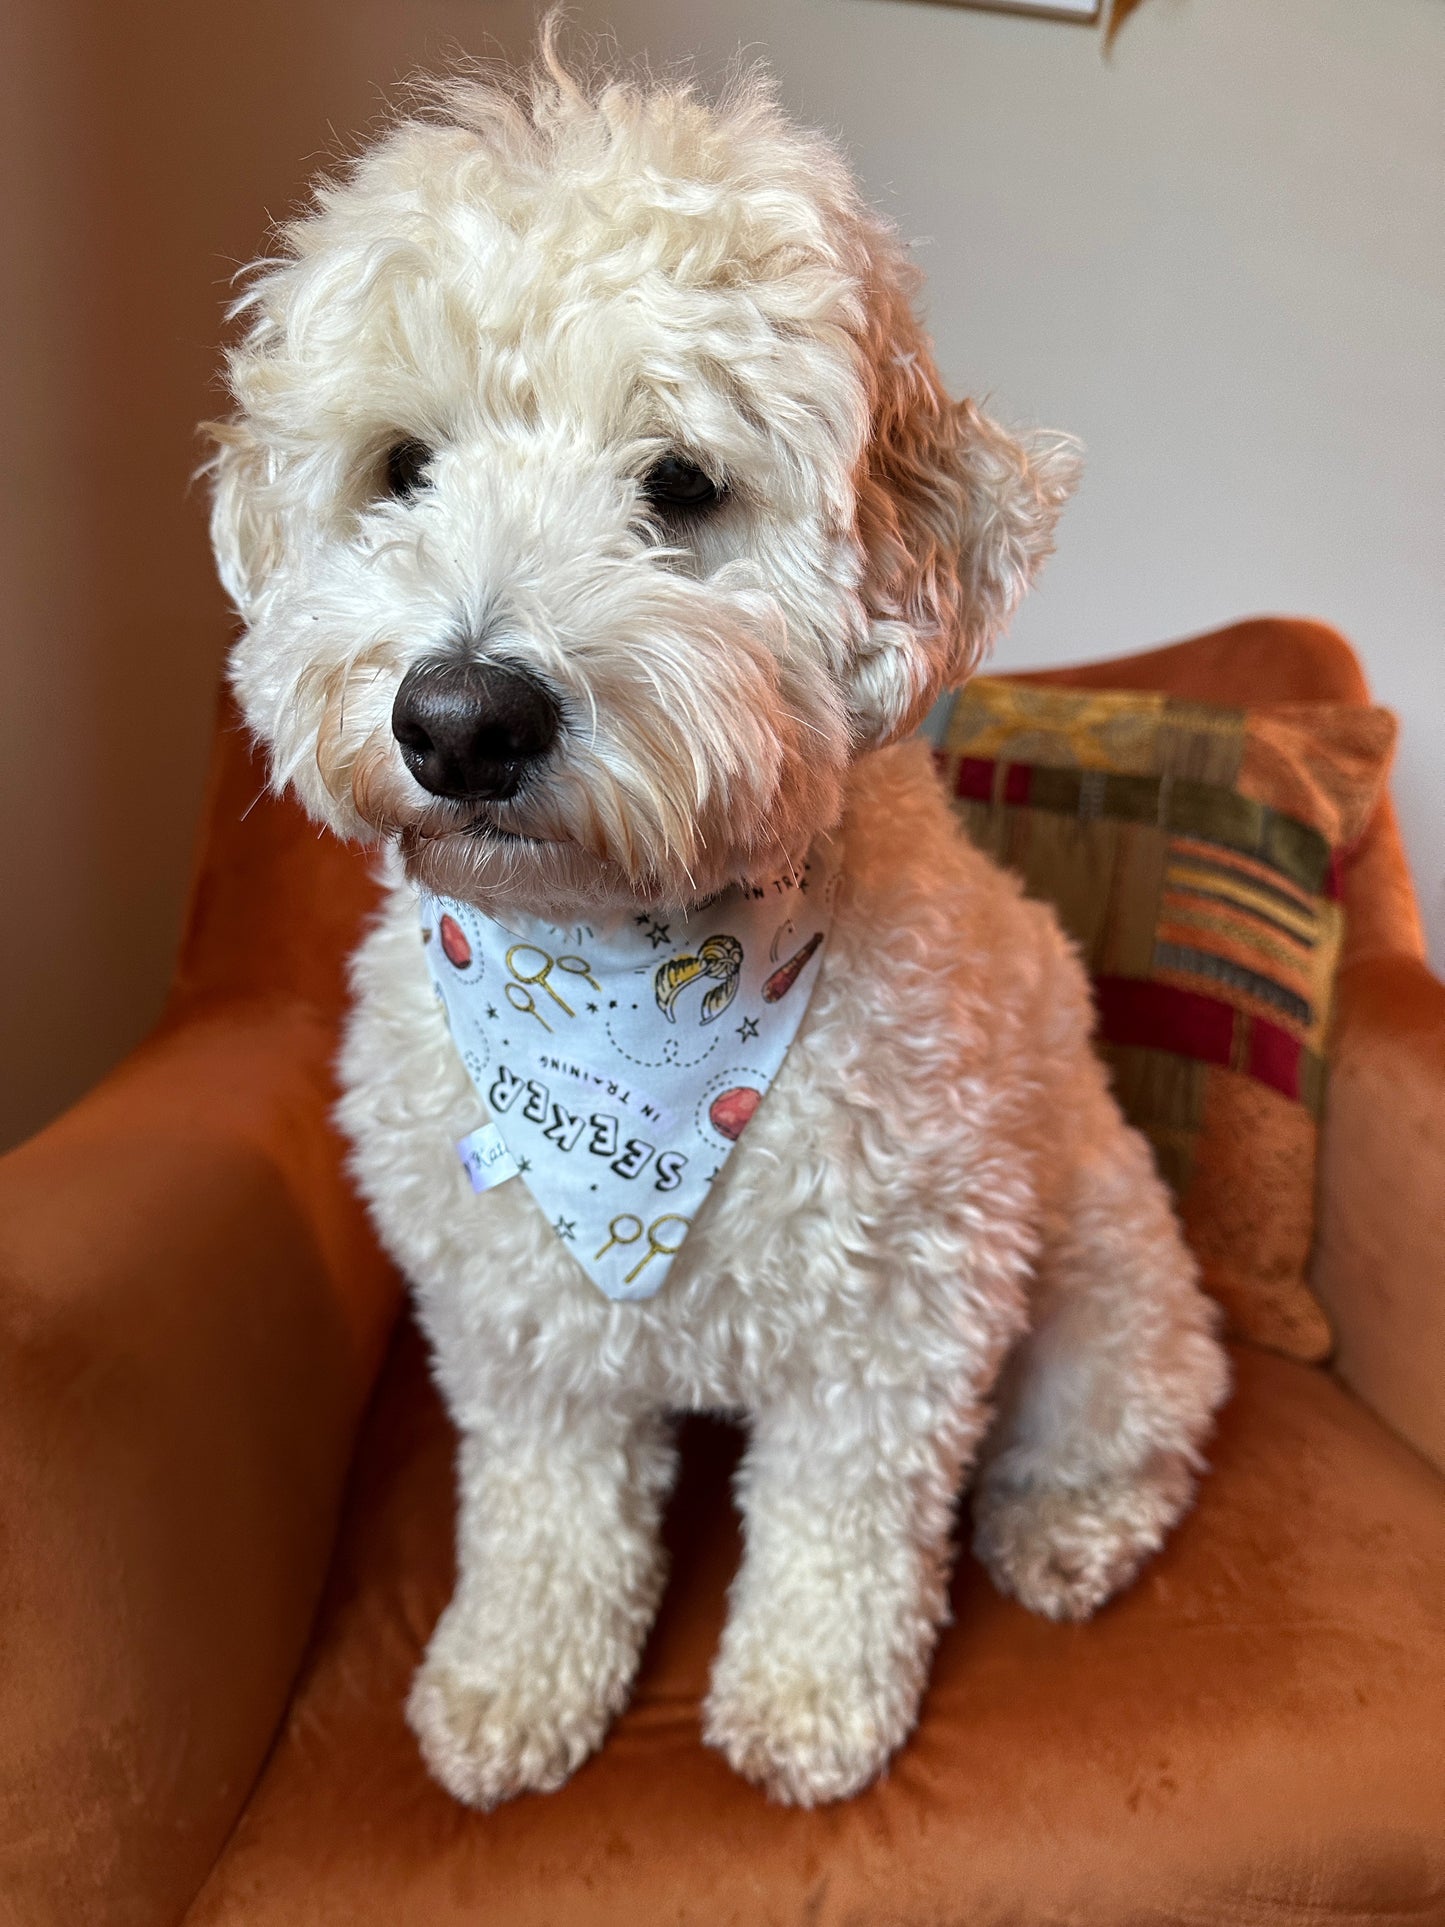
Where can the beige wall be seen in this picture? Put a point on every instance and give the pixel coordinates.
(1220, 258)
(145, 142)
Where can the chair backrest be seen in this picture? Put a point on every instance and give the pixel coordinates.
(277, 905)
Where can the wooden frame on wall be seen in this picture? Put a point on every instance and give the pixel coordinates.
(1084, 12)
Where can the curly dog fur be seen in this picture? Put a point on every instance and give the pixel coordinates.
(937, 1249)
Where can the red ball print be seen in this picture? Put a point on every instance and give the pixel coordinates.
(454, 943)
(729, 1114)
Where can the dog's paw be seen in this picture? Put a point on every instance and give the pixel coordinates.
(804, 1732)
(486, 1736)
(1062, 1551)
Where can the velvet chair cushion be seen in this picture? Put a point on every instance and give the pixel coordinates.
(1251, 1734)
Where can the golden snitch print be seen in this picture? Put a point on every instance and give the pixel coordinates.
(720, 958)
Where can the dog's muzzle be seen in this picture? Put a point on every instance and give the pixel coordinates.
(471, 731)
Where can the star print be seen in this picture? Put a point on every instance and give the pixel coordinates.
(492, 1012)
(593, 1009)
(523, 1164)
(612, 1003)
(748, 1028)
(657, 933)
(566, 1228)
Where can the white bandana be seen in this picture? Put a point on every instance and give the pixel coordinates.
(620, 1065)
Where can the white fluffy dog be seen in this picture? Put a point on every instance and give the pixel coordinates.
(609, 409)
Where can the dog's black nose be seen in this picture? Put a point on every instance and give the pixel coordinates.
(469, 730)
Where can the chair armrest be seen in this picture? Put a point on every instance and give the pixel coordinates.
(1379, 1265)
(191, 1315)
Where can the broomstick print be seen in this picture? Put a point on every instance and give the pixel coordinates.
(786, 975)
(719, 957)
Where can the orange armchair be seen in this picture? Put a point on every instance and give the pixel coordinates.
(225, 1517)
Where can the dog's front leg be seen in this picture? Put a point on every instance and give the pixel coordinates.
(559, 1569)
(848, 1506)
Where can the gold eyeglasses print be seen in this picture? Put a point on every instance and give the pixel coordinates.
(523, 1000)
(656, 1248)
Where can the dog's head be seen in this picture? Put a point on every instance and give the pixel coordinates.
(592, 499)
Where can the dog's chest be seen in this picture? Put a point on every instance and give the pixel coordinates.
(810, 1241)
(830, 1231)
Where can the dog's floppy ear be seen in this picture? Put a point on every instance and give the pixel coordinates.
(245, 527)
(953, 517)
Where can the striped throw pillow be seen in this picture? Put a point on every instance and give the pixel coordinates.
(1193, 853)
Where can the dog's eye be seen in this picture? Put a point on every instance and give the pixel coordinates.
(406, 466)
(675, 482)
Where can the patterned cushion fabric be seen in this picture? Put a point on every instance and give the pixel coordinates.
(1192, 852)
